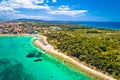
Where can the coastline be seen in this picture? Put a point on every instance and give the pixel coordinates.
(68, 60)
(72, 62)
(19, 35)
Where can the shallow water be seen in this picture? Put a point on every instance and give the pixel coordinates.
(21, 60)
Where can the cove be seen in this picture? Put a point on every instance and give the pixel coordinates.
(21, 60)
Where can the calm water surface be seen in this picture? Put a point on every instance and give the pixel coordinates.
(21, 60)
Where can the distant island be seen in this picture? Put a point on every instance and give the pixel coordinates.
(96, 48)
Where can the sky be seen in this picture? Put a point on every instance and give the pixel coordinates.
(61, 10)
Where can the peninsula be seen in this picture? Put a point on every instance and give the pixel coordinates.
(43, 44)
(93, 50)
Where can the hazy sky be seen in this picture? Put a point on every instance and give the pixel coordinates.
(67, 10)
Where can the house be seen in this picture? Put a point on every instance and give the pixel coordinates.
(5, 32)
(57, 28)
(35, 32)
(1, 31)
(15, 32)
(30, 31)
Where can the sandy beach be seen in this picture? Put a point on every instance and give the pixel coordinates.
(72, 62)
(50, 49)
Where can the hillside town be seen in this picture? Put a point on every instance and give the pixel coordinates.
(25, 28)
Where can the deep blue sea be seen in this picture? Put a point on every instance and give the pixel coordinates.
(105, 25)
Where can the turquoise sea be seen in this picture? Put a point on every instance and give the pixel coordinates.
(21, 60)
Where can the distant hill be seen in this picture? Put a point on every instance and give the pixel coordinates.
(30, 20)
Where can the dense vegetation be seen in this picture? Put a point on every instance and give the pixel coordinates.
(97, 47)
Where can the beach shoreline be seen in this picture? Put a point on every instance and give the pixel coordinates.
(19, 35)
(68, 60)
